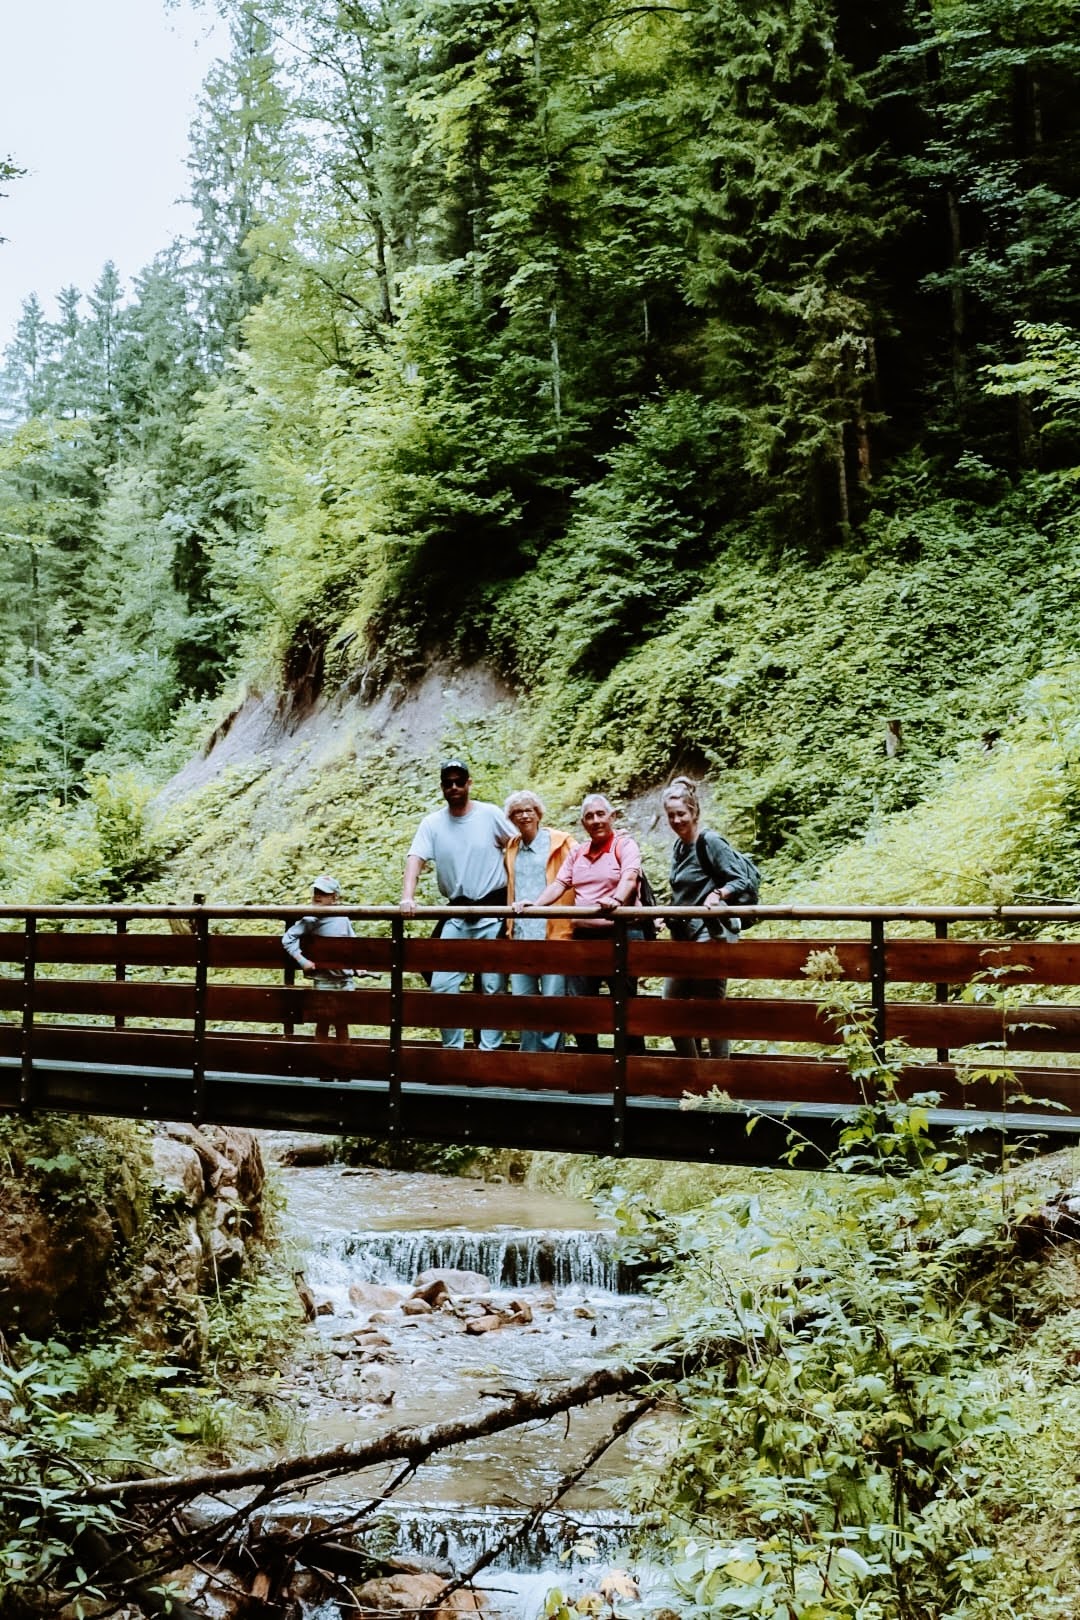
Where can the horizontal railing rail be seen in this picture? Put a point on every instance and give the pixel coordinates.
(165, 1011)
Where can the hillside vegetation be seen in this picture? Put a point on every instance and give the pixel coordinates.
(707, 372)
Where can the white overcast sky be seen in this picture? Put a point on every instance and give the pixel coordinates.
(96, 99)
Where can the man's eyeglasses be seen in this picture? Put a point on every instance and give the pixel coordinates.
(455, 781)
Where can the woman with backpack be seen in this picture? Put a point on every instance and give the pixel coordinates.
(705, 871)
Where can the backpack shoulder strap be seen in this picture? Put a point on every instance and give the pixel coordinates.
(701, 849)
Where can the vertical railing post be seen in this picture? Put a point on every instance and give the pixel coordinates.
(941, 991)
(288, 976)
(120, 970)
(878, 981)
(620, 995)
(27, 1086)
(397, 1014)
(198, 1032)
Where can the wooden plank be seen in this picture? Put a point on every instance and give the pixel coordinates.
(510, 955)
(738, 1018)
(953, 1024)
(90, 997)
(748, 959)
(137, 950)
(1042, 1029)
(246, 951)
(516, 1012)
(426, 1009)
(355, 953)
(556, 1071)
(277, 1004)
(742, 1078)
(800, 1080)
(1043, 1085)
(956, 961)
(256, 950)
(119, 1094)
(941, 1024)
(126, 1048)
(347, 1060)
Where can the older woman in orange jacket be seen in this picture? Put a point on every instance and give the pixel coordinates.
(533, 856)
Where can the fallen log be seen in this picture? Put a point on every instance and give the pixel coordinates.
(414, 1444)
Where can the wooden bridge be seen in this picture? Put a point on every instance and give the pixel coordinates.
(192, 1013)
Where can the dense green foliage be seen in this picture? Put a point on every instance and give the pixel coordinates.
(853, 1453)
(709, 369)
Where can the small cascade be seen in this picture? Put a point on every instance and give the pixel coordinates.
(511, 1259)
(434, 1539)
(361, 1244)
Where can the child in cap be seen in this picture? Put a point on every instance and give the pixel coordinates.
(325, 891)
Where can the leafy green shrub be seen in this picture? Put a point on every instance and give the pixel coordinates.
(843, 1459)
(402, 1155)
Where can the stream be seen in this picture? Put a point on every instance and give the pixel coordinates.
(362, 1237)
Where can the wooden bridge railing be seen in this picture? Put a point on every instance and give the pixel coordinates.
(140, 1010)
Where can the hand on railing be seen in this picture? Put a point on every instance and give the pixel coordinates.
(408, 905)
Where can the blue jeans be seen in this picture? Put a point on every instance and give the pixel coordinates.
(491, 983)
(539, 984)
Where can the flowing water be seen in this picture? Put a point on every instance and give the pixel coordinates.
(361, 1238)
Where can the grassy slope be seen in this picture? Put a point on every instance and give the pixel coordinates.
(775, 680)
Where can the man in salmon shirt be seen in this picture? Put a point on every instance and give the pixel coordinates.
(604, 872)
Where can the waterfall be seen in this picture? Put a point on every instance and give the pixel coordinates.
(451, 1542)
(511, 1259)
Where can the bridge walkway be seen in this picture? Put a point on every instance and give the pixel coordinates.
(193, 1013)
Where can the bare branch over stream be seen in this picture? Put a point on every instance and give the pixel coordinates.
(415, 1444)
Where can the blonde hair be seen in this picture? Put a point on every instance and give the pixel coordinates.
(523, 800)
(683, 789)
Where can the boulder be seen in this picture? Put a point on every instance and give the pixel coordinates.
(435, 1293)
(485, 1324)
(455, 1282)
(240, 1149)
(225, 1234)
(415, 1307)
(372, 1296)
(51, 1272)
(412, 1592)
(218, 1597)
(178, 1171)
(217, 1169)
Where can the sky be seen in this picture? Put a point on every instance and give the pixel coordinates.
(96, 98)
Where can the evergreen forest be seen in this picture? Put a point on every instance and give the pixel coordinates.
(709, 372)
(700, 381)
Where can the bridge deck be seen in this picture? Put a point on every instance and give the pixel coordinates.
(192, 1013)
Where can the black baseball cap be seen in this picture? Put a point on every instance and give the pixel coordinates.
(449, 765)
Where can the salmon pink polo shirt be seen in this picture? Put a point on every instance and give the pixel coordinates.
(594, 876)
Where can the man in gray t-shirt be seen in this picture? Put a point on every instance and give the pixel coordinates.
(465, 843)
